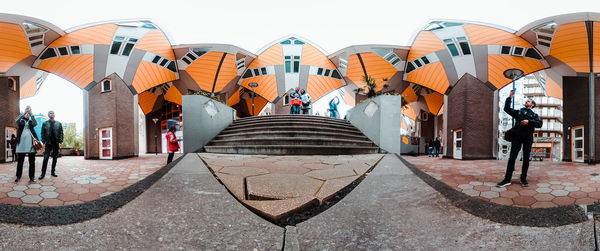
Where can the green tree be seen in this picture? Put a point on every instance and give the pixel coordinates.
(69, 136)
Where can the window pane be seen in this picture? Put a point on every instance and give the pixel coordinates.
(198, 52)
(579, 154)
(327, 72)
(186, 60)
(132, 40)
(164, 62)
(410, 67)
(288, 66)
(425, 60)
(171, 66)
(119, 38)
(105, 134)
(320, 71)
(256, 73)
(106, 153)
(336, 74)
(296, 57)
(453, 49)
(190, 55)
(36, 43)
(296, 66)
(49, 53)
(459, 134)
(505, 50)
(459, 143)
(115, 48)
(518, 51)
(263, 70)
(286, 42)
(532, 54)
(418, 63)
(127, 50)
(390, 57)
(288, 57)
(298, 42)
(63, 51)
(156, 59)
(578, 133)
(106, 85)
(578, 143)
(464, 46)
(248, 74)
(75, 50)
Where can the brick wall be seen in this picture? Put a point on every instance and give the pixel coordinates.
(9, 101)
(470, 108)
(576, 112)
(113, 109)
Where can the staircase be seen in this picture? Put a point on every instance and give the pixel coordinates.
(291, 135)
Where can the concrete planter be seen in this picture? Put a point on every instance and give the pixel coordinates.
(203, 119)
(379, 119)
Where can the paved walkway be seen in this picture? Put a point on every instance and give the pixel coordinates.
(391, 209)
(551, 184)
(79, 180)
(277, 186)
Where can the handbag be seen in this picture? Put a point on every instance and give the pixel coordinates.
(37, 144)
(510, 134)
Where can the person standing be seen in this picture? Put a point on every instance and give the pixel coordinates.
(52, 137)
(306, 99)
(25, 136)
(13, 147)
(527, 121)
(295, 104)
(172, 143)
(333, 111)
(293, 94)
(436, 146)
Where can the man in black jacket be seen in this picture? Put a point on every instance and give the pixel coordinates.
(527, 121)
(52, 136)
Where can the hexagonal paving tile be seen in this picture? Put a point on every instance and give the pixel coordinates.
(543, 190)
(33, 199)
(49, 195)
(465, 186)
(20, 188)
(490, 194)
(559, 193)
(47, 188)
(16, 194)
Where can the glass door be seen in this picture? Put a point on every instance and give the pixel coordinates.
(8, 132)
(578, 141)
(458, 144)
(105, 143)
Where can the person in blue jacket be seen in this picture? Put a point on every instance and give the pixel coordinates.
(333, 111)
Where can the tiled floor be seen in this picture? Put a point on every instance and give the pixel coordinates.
(551, 184)
(78, 180)
(276, 185)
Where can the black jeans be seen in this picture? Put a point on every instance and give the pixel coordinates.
(514, 152)
(170, 158)
(21, 159)
(51, 150)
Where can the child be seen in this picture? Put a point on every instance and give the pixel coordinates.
(296, 103)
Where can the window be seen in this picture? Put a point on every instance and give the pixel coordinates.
(118, 41)
(288, 64)
(298, 42)
(171, 66)
(410, 67)
(256, 73)
(327, 71)
(75, 50)
(451, 46)
(164, 62)
(505, 50)
(296, 64)
(116, 45)
(464, 45)
(396, 61)
(418, 63)
(292, 61)
(518, 51)
(49, 53)
(286, 42)
(191, 56)
(128, 48)
(187, 61)
(199, 52)
(248, 74)
(63, 51)
(425, 60)
(106, 85)
(12, 84)
(156, 59)
(320, 72)
(531, 53)
(336, 74)
(263, 70)
(286, 99)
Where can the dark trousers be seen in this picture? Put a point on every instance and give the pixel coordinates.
(514, 152)
(436, 151)
(14, 154)
(170, 158)
(51, 150)
(21, 159)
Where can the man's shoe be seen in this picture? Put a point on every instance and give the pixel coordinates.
(524, 183)
(54, 175)
(17, 180)
(503, 183)
(32, 180)
(41, 177)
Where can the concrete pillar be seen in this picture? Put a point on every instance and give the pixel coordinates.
(116, 109)
(9, 101)
(470, 107)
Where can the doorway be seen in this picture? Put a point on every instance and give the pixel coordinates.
(8, 132)
(105, 143)
(458, 143)
(577, 143)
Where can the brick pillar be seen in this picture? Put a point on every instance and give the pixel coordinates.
(470, 107)
(116, 109)
(9, 101)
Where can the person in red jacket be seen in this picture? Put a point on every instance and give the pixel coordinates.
(172, 144)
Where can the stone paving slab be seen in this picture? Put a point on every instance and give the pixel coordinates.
(393, 209)
(287, 181)
(187, 209)
(551, 184)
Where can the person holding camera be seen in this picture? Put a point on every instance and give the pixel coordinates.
(527, 121)
(25, 143)
(306, 99)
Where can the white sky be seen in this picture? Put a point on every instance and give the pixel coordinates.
(252, 24)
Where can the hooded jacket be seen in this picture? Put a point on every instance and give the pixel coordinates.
(524, 132)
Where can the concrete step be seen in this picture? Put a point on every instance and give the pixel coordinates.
(292, 122)
(288, 116)
(290, 119)
(299, 128)
(314, 141)
(291, 150)
(291, 133)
